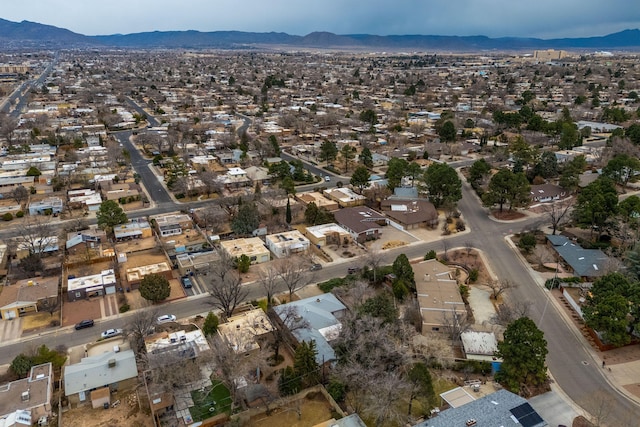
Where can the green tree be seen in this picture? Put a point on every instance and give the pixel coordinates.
(523, 352)
(507, 188)
(288, 185)
(210, 326)
(305, 364)
(274, 145)
(287, 215)
(34, 171)
(316, 216)
(328, 151)
(478, 172)
(596, 203)
(369, 116)
(21, 365)
(629, 211)
(243, 263)
(633, 133)
(569, 136)
(443, 184)
(360, 178)
(402, 269)
(246, 220)
(380, 306)
(612, 308)
(396, 170)
(366, 158)
(289, 382)
(547, 167)
(421, 387)
(570, 176)
(154, 288)
(110, 214)
(447, 132)
(348, 153)
(621, 169)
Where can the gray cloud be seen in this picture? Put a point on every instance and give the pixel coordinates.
(494, 18)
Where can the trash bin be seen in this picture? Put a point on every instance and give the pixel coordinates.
(105, 405)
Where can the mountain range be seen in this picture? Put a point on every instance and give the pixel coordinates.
(31, 34)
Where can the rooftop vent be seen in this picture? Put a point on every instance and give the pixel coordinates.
(111, 363)
(25, 396)
(471, 422)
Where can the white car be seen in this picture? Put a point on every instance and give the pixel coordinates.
(167, 318)
(111, 333)
(327, 178)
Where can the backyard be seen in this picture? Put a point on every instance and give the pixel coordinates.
(214, 400)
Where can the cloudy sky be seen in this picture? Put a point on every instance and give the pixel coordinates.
(493, 18)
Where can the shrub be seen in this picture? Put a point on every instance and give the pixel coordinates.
(336, 389)
(331, 283)
(7, 216)
(527, 242)
(124, 308)
(473, 275)
(19, 214)
(430, 255)
(400, 289)
(211, 323)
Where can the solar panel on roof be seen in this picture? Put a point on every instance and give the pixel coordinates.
(526, 415)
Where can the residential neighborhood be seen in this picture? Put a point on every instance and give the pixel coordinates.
(202, 237)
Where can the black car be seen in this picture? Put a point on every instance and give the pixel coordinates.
(316, 267)
(352, 270)
(84, 324)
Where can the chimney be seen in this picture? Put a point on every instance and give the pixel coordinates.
(111, 363)
(471, 422)
(25, 396)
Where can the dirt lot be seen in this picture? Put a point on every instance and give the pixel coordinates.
(127, 413)
(312, 412)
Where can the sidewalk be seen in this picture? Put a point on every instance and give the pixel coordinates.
(622, 365)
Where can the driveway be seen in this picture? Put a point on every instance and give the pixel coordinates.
(10, 329)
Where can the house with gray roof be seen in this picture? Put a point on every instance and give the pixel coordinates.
(114, 369)
(322, 314)
(584, 263)
(501, 408)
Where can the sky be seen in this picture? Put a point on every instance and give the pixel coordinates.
(494, 18)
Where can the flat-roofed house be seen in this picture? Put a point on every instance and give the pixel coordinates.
(327, 234)
(24, 402)
(253, 247)
(103, 283)
(135, 275)
(134, 229)
(345, 197)
(439, 298)
(287, 243)
(246, 332)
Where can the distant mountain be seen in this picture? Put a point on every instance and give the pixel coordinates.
(26, 33)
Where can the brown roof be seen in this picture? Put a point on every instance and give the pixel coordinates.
(29, 290)
(39, 389)
(359, 219)
(410, 211)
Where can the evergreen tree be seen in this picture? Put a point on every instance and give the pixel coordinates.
(305, 364)
(288, 212)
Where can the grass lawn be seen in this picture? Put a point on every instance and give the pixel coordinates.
(217, 397)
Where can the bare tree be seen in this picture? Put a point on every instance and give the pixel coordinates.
(507, 312)
(287, 320)
(385, 404)
(556, 213)
(269, 280)
(225, 286)
(8, 124)
(138, 326)
(294, 274)
(373, 258)
(499, 286)
(20, 194)
(454, 323)
(210, 181)
(35, 235)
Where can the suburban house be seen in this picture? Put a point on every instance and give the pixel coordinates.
(258, 174)
(345, 197)
(361, 222)
(84, 199)
(584, 263)
(48, 206)
(119, 191)
(322, 314)
(175, 345)
(172, 224)
(501, 408)
(545, 193)
(287, 243)
(95, 285)
(317, 198)
(441, 305)
(235, 178)
(136, 274)
(246, 332)
(195, 262)
(27, 401)
(27, 296)
(134, 229)
(88, 379)
(327, 234)
(253, 247)
(81, 240)
(411, 213)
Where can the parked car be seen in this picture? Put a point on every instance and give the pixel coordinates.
(166, 318)
(186, 283)
(316, 267)
(352, 270)
(327, 178)
(87, 323)
(111, 333)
